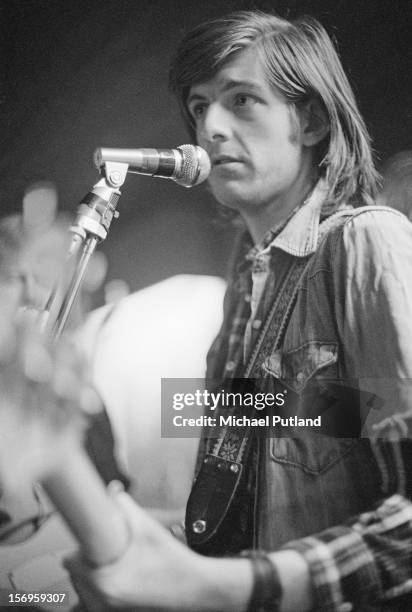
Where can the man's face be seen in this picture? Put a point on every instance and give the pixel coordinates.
(251, 134)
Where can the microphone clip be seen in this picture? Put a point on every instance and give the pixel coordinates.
(114, 172)
(98, 207)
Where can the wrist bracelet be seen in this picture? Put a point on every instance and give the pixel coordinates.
(266, 591)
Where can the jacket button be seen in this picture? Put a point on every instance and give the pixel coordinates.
(300, 377)
(199, 526)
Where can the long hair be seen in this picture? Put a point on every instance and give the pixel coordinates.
(301, 63)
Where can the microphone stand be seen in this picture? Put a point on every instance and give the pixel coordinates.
(94, 216)
(73, 485)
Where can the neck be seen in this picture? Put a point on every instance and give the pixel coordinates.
(261, 219)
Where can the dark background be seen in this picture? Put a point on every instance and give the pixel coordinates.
(84, 73)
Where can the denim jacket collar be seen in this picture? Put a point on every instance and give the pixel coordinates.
(297, 236)
(300, 236)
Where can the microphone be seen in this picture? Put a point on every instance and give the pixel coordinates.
(188, 165)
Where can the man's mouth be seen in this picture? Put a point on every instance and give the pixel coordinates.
(220, 160)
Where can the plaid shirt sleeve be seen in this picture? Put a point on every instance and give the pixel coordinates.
(363, 563)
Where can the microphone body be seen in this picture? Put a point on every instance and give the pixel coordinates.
(188, 165)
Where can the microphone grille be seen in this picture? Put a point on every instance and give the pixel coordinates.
(195, 166)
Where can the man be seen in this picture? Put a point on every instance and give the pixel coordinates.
(320, 307)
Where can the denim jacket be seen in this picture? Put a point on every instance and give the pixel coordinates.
(341, 500)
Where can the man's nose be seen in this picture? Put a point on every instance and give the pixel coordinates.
(216, 124)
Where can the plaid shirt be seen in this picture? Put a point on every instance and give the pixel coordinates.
(365, 563)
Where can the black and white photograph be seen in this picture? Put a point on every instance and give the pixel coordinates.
(206, 305)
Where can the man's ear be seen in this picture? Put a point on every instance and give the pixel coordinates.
(315, 122)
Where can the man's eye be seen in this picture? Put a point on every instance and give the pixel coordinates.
(244, 100)
(198, 111)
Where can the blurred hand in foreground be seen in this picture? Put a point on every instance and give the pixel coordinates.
(156, 571)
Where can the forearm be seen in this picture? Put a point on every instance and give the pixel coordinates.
(226, 584)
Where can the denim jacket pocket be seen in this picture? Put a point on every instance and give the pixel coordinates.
(296, 367)
(314, 454)
(304, 372)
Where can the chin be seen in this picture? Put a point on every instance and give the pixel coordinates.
(235, 197)
(241, 202)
